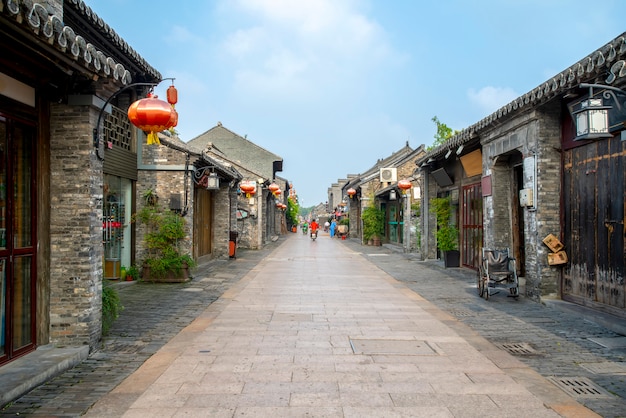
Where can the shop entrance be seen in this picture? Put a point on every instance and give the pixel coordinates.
(116, 225)
(17, 238)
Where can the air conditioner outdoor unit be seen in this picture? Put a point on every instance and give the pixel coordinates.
(388, 174)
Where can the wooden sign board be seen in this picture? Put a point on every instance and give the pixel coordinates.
(553, 243)
(557, 258)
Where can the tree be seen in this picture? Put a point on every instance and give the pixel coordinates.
(444, 133)
(373, 222)
(292, 212)
(447, 234)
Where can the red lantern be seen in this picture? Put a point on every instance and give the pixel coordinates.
(172, 95)
(351, 192)
(278, 192)
(152, 115)
(405, 185)
(273, 188)
(248, 187)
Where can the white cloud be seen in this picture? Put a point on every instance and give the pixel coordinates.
(298, 48)
(490, 98)
(182, 35)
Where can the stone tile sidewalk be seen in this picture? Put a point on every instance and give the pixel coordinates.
(153, 314)
(581, 351)
(564, 347)
(317, 330)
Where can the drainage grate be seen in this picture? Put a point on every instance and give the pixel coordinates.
(462, 313)
(579, 387)
(519, 349)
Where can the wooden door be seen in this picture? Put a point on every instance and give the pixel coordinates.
(593, 212)
(203, 224)
(472, 225)
(17, 239)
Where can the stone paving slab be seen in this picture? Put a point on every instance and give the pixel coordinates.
(335, 317)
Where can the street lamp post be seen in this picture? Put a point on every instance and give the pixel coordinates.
(407, 222)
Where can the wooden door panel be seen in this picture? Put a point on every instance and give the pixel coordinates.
(594, 187)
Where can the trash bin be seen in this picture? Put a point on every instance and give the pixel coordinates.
(232, 244)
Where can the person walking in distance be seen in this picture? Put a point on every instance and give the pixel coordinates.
(333, 227)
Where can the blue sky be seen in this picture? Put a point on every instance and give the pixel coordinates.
(333, 85)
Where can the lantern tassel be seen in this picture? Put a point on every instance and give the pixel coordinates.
(153, 138)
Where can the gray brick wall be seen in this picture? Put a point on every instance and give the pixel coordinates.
(548, 192)
(225, 221)
(429, 241)
(533, 135)
(75, 228)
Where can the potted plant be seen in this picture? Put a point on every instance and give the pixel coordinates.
(373, 224)
(447, 234)
(132, 273)
(164, 231)
(343, 227)
(111, 307)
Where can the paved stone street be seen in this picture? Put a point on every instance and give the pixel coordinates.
(560, 341)
(582, 358)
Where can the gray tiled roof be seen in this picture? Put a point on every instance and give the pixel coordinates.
(46, 25)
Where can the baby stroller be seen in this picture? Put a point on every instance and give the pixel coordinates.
(497, 271)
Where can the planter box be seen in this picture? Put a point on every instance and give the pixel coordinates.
(452, 258)
(170, 277)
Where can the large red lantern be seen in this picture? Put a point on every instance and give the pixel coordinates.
(153, 115)
(248, 187)
(273, 188)
(351, 192)
(405, 185)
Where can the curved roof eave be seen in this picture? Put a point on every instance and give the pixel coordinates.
(51, 29)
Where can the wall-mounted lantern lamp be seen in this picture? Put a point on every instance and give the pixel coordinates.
(592, 117)
(212, 181)
(392, 194)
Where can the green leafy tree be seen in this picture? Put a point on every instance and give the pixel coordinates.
(444, 133)
(373, 222)
(165, 231)
(292, 212)
(447, 234)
